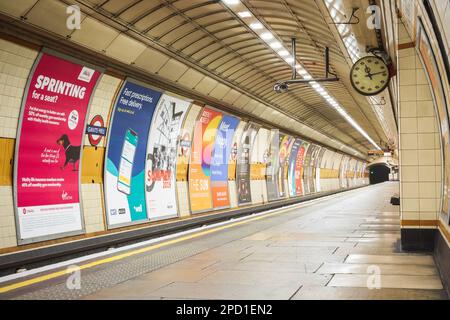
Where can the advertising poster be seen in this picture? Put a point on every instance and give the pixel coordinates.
(48, 149)
(243, 164)
(220, 159)
(299, 162)
(184, 144)
(273, 166)
(160, 178)
(313, 168)
(200, 195)
(126, 154)
(307, 169)
(285, 141)
(318, 165)
(293, 167)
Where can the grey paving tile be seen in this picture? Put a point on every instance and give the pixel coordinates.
(387, 281)
(225, 291)
(391, 259)
(386, 269)
(265, 278)
(335, 293)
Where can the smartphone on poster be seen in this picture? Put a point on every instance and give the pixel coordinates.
(126, 162)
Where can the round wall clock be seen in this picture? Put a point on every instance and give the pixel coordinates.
(369, 75)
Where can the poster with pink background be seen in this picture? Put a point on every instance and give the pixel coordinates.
(49, 149)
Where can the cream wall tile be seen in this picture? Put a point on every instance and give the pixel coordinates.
(408, 109)
(408, 63)
(426, 125)
(425, 109)
(408, 93)
(427, 157)
(428, 215)
(427, 205)
(408, 77)
(410, 190)
(426, 141)
(409, 141)
(410, 215)
(410, 205)
(408, 125)
(410, 173)
(427, 190)
(423, 93)
(427, 173)
(409, 157)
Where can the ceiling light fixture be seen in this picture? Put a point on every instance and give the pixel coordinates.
(244, 14)
(231, 2)
(267, 36)
(275, 45)
(256, 26)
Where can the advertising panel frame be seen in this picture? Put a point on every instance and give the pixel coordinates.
(227, 149)
(431, 68)
(74, 60)
(187, 105)
(250, 132)
(193, 143)
(131, 80)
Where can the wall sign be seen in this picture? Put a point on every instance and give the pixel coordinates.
(96, 130)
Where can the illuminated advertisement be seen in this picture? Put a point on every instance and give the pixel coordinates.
(160, 179)
(285, 141)
(273, 167)
(220, 159)
(299, 165)
(243, 164)
(307, 172)
(200, 166)
(294, 169)
(49, 147)
(126, 154)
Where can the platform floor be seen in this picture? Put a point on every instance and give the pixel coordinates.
(328, 249)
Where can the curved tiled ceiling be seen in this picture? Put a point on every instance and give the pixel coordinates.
(212, 37)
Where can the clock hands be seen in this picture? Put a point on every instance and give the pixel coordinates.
(370, 75)
(367, 70)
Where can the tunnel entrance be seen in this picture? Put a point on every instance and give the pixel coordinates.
(379, 173)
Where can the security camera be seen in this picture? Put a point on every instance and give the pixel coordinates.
(281, 87)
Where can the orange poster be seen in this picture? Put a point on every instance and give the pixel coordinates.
(200, 166)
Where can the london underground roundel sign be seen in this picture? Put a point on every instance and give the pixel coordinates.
(96, 130)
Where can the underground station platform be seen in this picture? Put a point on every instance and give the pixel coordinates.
(230, 157)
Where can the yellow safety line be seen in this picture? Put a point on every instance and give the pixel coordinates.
(57, 274)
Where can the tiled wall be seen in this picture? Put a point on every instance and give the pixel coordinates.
(16, 62)
(420, 156)
(102, 100)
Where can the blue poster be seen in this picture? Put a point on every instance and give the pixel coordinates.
(126, 153)
(292, 166)
(219, 163)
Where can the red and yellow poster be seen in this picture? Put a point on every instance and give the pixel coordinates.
(200, 168)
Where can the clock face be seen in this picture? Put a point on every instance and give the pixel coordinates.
(369, 75)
